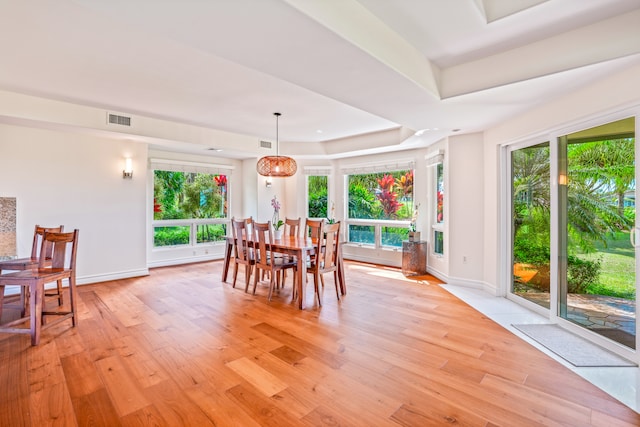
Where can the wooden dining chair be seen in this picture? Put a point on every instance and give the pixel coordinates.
(31, 262)
(326, 259)
(59, 267)
(243, 252)
(292, 227)
(312, 227)
(265, 259)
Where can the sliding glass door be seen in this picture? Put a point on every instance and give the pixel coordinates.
(583, 185)
(596, 199)
(530, 223)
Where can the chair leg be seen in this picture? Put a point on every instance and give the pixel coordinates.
(255, 278)
(255, 281)
(24, 300)
(235, 274)
(247, 273)
(1, 300)
(73, 301)
(335, 280)
(59, 292)
(272, 281)
(317, 287)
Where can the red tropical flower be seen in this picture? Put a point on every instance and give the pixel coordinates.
(221, 180)
(387, 197)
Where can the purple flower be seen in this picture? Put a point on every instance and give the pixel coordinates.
(276, 204)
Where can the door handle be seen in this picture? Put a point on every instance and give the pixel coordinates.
(633, 238)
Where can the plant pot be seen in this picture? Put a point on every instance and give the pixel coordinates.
(277, 234)
(414, 236)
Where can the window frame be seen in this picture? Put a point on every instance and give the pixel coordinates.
(377, 224)
(192, 223)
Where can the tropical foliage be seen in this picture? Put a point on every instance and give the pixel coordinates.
(600, 173)
(188, 195)
(384, 196)
(318, 196)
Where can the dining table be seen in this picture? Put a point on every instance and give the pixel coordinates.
(300, 248)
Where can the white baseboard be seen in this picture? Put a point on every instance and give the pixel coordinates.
(86, 280)
(474, 284)
(371, 260)
(96, 278)
(186, 260)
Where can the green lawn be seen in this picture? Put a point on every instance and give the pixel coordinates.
(617, 276)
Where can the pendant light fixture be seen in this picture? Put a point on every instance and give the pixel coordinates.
(279, 166)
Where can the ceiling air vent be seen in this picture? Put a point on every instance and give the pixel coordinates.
(115, 119)
(265, 144)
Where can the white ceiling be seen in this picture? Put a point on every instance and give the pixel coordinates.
(333, 68)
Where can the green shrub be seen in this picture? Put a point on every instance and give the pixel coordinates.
(171, 236)
(318, 205)
(630, 214)
(527, 253)
(582, 274)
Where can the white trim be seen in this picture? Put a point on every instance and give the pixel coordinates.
(186, 260)
(96, 278)
(186, 166)
(435, 157)
(317, 170)
(364, 168)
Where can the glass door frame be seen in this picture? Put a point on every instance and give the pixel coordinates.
(505, 227)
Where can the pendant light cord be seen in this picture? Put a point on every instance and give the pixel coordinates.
(277, 135)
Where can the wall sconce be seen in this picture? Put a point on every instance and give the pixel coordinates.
(268, 182)
(128, 169)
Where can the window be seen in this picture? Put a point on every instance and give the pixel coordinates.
(438, 214)
(317, 196)
(189, 207)
(380, 207)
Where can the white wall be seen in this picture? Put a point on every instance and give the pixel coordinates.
(75, 179)
(465, 195)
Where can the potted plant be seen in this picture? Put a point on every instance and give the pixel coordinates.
(414, 236)
(276, 222)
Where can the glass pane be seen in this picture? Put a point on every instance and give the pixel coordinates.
(207, 233)
(440, 193)
(393, 236)
(381, 195)
(438, 242)
(171, 236)
(318, 202)
(364, 234)
(530, 227)
(188, 195)
(598, 276)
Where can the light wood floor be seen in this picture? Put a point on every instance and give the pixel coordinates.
(181, 348)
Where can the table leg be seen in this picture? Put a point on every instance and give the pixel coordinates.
(227, 259)
(37, 289)
(301, 272)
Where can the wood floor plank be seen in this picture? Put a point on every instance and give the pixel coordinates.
(126, 395)
(81, 375)
(261, 379)
(95, 409)
(179, 347)
(260, 408)
(218, 407)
